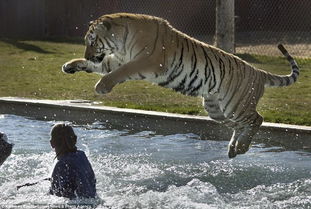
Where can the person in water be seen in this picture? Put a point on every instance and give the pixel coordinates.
(72, 176)
(5, 148)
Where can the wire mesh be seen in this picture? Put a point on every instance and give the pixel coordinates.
(259, 24)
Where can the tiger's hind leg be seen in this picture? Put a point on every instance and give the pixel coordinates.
(211, 105)
(243, 133)
(244, 126)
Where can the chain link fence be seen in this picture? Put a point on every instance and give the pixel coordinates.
(259, 24)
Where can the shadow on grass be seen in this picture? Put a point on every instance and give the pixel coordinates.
(26, 46)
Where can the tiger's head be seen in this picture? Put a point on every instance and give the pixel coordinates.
(101, 40)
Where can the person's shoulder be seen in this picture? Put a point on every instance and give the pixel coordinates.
(61, 163)
(81, 154)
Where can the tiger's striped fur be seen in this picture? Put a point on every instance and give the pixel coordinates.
(129, 46)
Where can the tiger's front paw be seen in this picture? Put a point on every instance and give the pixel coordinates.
(104, 86)
(75, 65)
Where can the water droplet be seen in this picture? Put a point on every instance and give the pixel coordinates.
(77, 27)
(161, 65)
(112, 35)
(163, 47)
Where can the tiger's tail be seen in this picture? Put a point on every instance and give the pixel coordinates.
(286, 80)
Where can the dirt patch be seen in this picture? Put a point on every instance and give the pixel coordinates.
(296, 50)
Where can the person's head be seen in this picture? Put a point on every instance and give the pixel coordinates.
(5, 148)
(63, 139)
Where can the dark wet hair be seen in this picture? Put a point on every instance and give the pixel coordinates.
(63, 136)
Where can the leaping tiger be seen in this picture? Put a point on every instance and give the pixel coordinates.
(132, 46)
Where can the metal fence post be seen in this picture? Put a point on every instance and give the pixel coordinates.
(224, 37)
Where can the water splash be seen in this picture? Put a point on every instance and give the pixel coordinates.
(146, 170)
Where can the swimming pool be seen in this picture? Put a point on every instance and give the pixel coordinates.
(145, 170)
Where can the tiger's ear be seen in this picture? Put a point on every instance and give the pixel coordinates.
(91, 23)
(102, 28)
(107, 25)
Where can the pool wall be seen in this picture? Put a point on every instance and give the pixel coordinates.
(81, 112)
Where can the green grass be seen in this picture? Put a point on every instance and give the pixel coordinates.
(32, 69)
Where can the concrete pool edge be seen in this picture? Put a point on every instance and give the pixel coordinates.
(288, 136)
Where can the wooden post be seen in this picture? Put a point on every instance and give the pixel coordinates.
(224, 37)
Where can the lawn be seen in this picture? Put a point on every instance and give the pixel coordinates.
(32, 69)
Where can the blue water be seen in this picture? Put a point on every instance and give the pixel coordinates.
(145, 170)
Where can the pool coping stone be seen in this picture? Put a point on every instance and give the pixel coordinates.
(292, 137)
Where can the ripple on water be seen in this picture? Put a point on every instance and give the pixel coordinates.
(146, 170)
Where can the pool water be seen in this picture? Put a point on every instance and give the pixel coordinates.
(146, 170)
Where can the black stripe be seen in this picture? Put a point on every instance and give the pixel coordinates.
(192, 66)
(289, 58)
(287, 81)
(177, 41)
(281, 81)
(214, 81)
(125, 38)
(194, 91)
(235, 92)
(141, 76)
(187, 44)
(132, 43)
(101, 41)
(296, 71)
(295, 66)
(174, 58)
(230, 66)
(194, 61)
(222, 68)
(193, 79)
(216, 57)
(181, 85)
(156, 39)
(206, 66)
(244, 70)
(212, 73)
(271, 78)
(181, 57)
(108, 66)
(171, 77)
(234, 108)
(228, 88)
(107, 41)
(131, 49)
